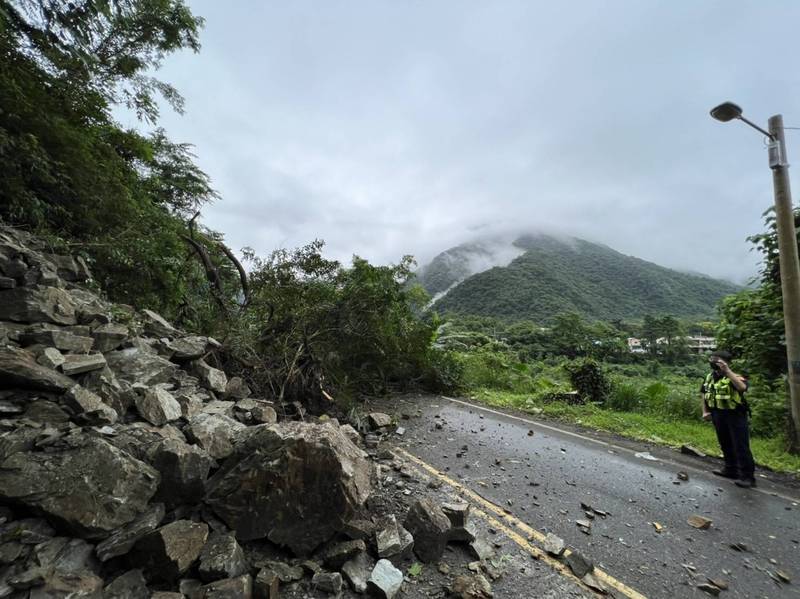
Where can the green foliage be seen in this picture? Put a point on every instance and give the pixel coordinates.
(70, 173)
(312, 325)
(555, 276)
(589, 380)
(624, 397)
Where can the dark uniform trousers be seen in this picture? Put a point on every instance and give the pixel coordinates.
(733, 434)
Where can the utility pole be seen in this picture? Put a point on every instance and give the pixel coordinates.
(790, 266)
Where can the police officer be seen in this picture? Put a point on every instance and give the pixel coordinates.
(724, 404)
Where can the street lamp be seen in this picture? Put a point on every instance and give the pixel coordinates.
(787, 247)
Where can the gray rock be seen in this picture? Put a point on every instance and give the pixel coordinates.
(12, 330)
(236, 388)
(28, 531)
(57, 338)
(218, 406)
(188, 348)
(255, 411)
(68, 567)
(284, 572)
(115, 394)
(183, 469)
(37, 304)
(214, 433)
(18, 368)
(327, 582)
(157, 406)
(191, 588)
(210, 377)
(79, 363)
(88, 486)
(130, 585)
(190, 403)
(303, 481)
(122, 540)
(137, 438)
(391, 539)
(168, 552)
(554, 545)
(50, 358)
(357, 571)
(334, 556)
(351, 434)
(385, 580)
(68, 268)
(481, 549)
(240, 587)
(379, 420)
(430, 528)
(156, 326)
(88, 406)
(140, 365)
(46, 412)
(109, 336)
(471, 586)
(222, 557)
(266, 584)
(579, 565)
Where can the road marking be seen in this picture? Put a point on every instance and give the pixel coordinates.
(769, 493)
(532, 533)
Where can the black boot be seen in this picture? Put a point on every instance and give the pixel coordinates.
(725, 473)
(746, 483)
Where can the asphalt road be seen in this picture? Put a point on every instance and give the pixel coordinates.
(543, 476)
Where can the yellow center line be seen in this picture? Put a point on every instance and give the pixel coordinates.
(532, 533)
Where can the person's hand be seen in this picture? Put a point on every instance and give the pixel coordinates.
(706, 416)
(723, 365)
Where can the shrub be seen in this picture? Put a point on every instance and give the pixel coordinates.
(624, 397)
(770, 413)
(588, 380)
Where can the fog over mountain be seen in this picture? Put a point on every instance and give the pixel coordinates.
(388, 128)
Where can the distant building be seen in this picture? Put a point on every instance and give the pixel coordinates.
(701, 344)
(635, 345)
(697, 344)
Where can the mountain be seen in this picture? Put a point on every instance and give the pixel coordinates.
(536, 276)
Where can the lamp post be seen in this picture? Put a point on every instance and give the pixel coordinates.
(787, 247)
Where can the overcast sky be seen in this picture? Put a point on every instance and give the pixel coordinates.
(406, 127)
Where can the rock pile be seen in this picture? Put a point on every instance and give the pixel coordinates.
(129, 465)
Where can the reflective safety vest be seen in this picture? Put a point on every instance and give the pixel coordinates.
(721, 394)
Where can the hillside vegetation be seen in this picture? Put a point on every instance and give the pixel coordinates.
(558, 275)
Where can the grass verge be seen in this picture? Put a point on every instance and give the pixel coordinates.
(654, 428)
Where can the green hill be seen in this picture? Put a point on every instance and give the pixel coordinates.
(566, 274)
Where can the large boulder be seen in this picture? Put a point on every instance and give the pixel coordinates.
(295, 483)
(156, 325)
(18, 368)
(214, 433)
(109, 336)
(222, 557)
(37, 304)
(183, 468)
(123, 539)
(87, 486)
(140, 364)
(211, 378)
(169, 552)
(430, 528)
(158, 406)
(88, 407)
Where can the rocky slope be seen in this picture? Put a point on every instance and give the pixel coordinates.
(131, 467)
